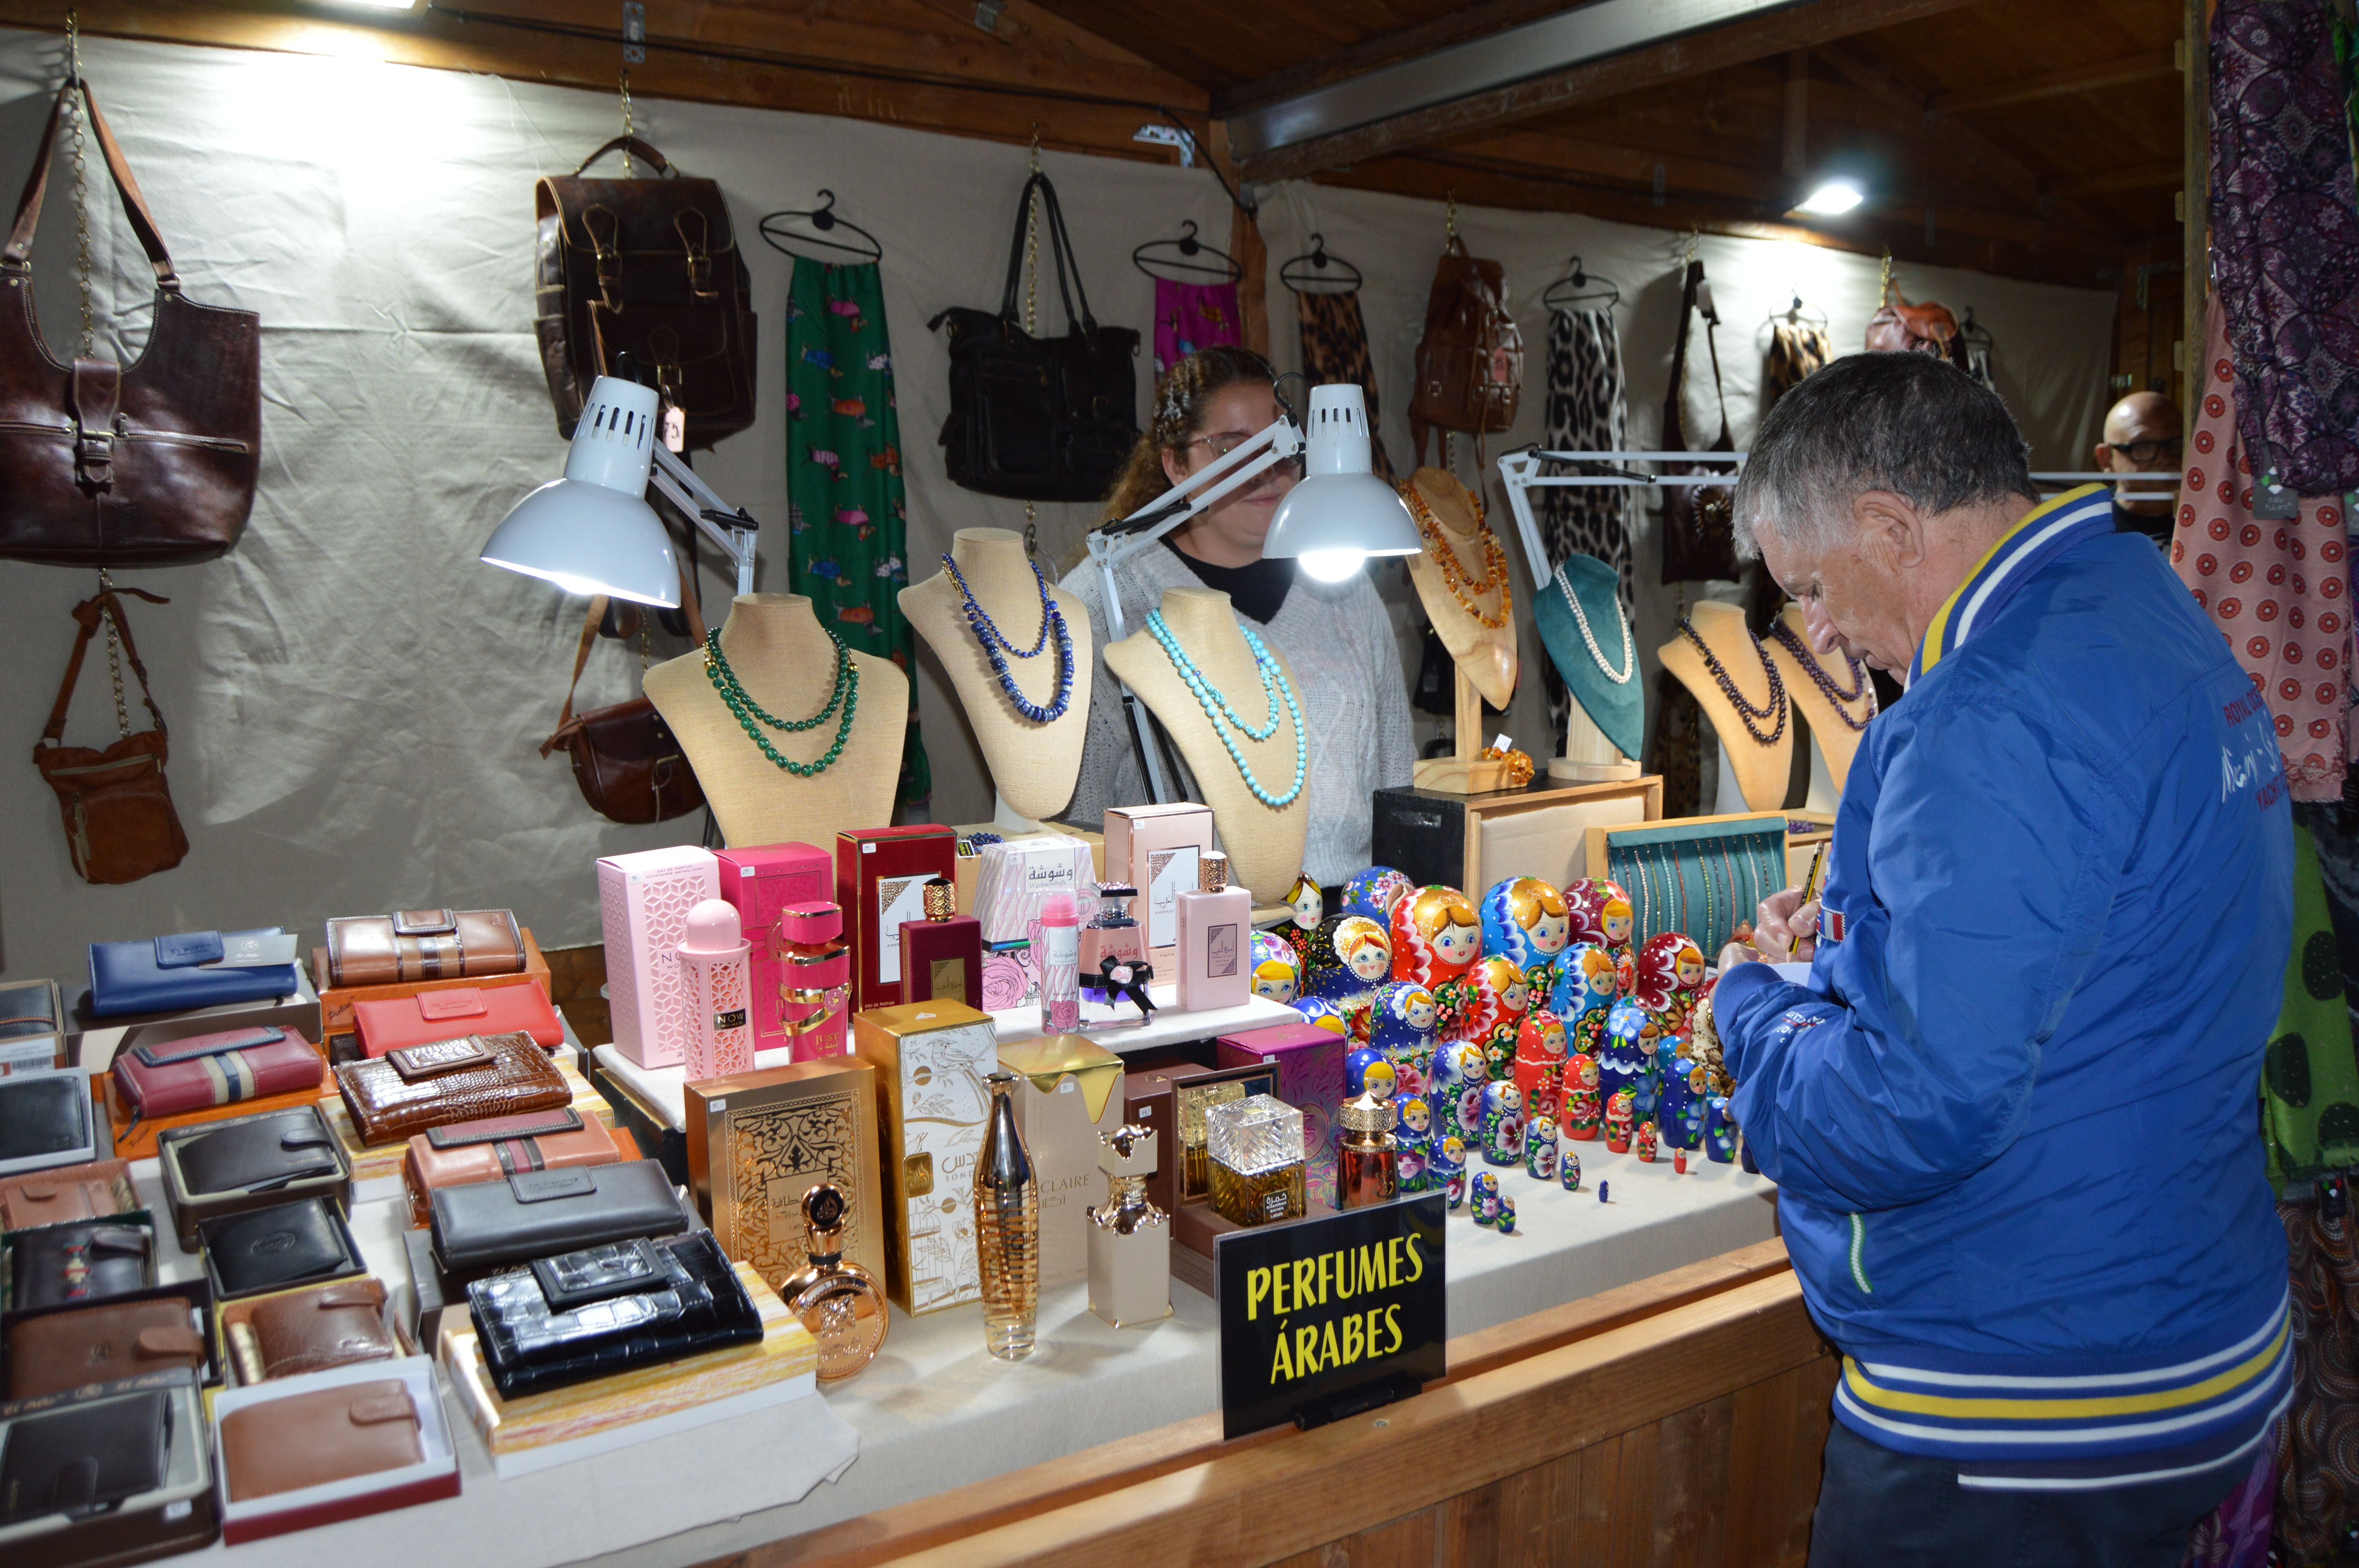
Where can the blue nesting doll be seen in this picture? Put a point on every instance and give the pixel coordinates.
(1625, 1062)
(1568, 1166)
(1525, 922)
(1506, 1222)
(1503, 1124)
(1456, 1091)
(1446, 1169)
(1370, 892)
(1367, 1070)
(1540, 1148)
(1687, 1086)
(1413, 1144)
(1584, 988)
(1401, 1025)
(1719, 1131)
(1277, 968)
(1482, 1193)
(1326, 1014)
(1362, 954)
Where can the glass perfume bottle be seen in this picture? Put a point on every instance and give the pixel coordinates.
(941, 955)
(1111, 933)
(838, 1303)
(815, 984)
(1130, 1238)
(1255, 1144)
(1215, 924)
(1367, 1169)
(1007, 1229)
(713, 961)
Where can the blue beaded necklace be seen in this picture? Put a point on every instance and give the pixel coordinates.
(1224, 716)
(995, 647)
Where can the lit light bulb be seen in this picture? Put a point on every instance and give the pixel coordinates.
(1333, 565)
(1834, 198)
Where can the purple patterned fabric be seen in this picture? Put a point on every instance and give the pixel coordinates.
(2285, 240)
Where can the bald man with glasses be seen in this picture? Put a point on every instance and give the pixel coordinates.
(2142, 436)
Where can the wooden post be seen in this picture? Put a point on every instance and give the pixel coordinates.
(2194, 196)
(1463, 771)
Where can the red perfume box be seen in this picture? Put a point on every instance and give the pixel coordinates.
(880, 878)
(761, 882)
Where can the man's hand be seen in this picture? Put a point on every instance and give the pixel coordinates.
(1785, 929)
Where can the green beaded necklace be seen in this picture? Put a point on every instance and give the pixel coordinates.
(846, 691)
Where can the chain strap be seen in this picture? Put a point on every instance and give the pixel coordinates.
(1032, 313)
(114, 655)
(628, 130)
(82, 239)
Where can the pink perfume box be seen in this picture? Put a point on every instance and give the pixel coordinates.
(761, 882)
(1155, 849)
(1309, 1062)
(644, 900)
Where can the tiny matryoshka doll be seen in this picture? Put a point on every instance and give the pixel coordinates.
(1365, 1070)
(1277, 968)
(1483, 1194)
(1306, 908)
(1503, 1125)
(1364, 949)
(1459, 1078)
(1584, 987)
(1540, 1148)
(1411, 1146)
(1681, 1113)
(1671, 973)
(1577, 1109)
(1719, 1131)
(1617, 1123)
(1525, 922)
(1568, 1164)
(1326, 1014)
(1539, 1062)
(1436, 935)
(1644, 1142)
(1447, 1168)
(1506, 1223)
(1371, 894)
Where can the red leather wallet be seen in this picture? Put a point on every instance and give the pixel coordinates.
(429, 1016)
(221, 1068)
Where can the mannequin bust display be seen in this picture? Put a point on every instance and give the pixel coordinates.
(786, 661)
(1487, 654)
(1033, 765)
(1830, 720)
(1264, 847)
(1761, 768)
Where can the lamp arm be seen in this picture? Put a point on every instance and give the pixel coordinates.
(1516, 471)
(729, 527)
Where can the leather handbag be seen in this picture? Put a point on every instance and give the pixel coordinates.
(466, 1152)
(182, 971)
(61, 1265)
(119, 820)
(538, 1213)
(1039, 418)
(271, 1249)
(1470, 364)
(1928, 329)
(423, 945)
(309, 1440)
(46, 1121)
(408, 1091)
(84, 1459)
(1699, 521)
(648, 267)
(313, 1331)
(422, 1020)
(222, 1068)
(68, 1193)
(106, 465)
(626, 763)
(692, 1303)
(61, 1350)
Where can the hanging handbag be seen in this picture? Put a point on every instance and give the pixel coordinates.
(1699, 535)
(1928, 329)
(1470, 364)
(120, 824)
(147, 464)
(626, 758)
(1039, 418)
(651, 267)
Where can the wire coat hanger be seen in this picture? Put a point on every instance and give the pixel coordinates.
(1184, 252)
(1588, 288)
(824, 219)
(1319, 280)
(1975, 333)
(1799, 315)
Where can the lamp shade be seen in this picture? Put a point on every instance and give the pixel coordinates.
(593, 532)
(1341, 513)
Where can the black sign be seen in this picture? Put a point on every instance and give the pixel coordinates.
(1325, 1318)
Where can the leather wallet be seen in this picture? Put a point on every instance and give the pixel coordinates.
(530, 1343)
(66, 1194)
(388, 1104)
(167, 974)
(45, 1119)
(384, 1026)
(219, 1068)
(423, 945)
(61, 1350)
(469, 1152)
(85, 1458)
(257, 1154)
(271, 1249)
(59, 1265)
(311, 1331)
(309, 1440)
(536, 1214)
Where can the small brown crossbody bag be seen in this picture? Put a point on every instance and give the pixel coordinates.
(120, 824)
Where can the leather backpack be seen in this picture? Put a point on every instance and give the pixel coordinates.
(1926, 329)
(119, 821)
(1039, 418)
(1699, 521)
(147, 464)
(626, 759)
(1470, 364)
(649, 267)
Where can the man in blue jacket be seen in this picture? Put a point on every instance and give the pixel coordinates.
(2011, 1116)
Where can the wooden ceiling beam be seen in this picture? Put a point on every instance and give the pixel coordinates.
(2065, 84)
(2137, 176)
(1386, 48)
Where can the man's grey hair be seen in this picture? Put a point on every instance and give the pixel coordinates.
(1908, 423)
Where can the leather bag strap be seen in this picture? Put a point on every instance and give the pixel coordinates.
(1675, 428)
(88, 612)
(18, 257)
(639, 149)
(597, 612)
(1061, 245)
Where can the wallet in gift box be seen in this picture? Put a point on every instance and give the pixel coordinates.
(429, 1016)
(309, 1331)
(194, 969)
(86, 1458)
(423, 945)
(469, 1152)
(220, 1168)
(46, 1119)
(418, 1086)
(272, 1248)
(66, 1194)
(221, 1068)
(310, 1440)
(536, 1214)
(607, 1310)
(61, 1350)
(59, 1265)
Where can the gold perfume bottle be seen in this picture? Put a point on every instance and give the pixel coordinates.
(1007, 1229)
(1255, 1144)
(839, 1303)
(1130, 1238)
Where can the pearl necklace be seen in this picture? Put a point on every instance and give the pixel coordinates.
(1825, 683)
(993, 640)
(1463, 588)
(1745, 710)
(846, 691)
(1581, 618)
(1218, 708)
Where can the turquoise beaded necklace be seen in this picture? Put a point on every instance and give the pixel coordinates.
(1224, 715)
(846, 691)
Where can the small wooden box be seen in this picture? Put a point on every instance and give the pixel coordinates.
(1699, 875)
(1469, 841)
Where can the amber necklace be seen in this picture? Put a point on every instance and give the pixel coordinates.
(1463, 588)
(1746, 712)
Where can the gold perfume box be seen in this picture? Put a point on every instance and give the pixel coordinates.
(1067, 1100)
(933, 1060)
(758, 1142)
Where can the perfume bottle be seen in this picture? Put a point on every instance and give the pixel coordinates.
(1255, 1144)
(1367, 1170)
(1215, 925)
(838, 1303)
(1130, 1238)
(1061, 965)
(941, 955)
(1111, 934)
(1007, 1228)
(712, 963)
(815, 984)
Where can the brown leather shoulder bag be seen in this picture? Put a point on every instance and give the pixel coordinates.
(1699, 532)
(626, 759)
(147, 464)
(120, 824)
(1926, 329)
(1470, 364)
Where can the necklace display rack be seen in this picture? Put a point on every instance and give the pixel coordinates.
(1700, 875)
(1468, 591)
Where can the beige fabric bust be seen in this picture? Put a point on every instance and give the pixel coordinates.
(1264, 847)
(1032, 766)
(1761, 771)
(1487, 654)
(1838, 741)
(786, 661)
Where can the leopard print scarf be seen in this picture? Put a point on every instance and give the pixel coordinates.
(1587, 412)
(1335, 349)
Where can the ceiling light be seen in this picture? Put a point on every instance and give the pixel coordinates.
(1833, 199)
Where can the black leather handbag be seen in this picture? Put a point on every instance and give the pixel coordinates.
(1039, 418)
(1699, 521)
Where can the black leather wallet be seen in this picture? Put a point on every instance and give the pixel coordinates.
(270, 1249)
(85, 1458)
(695, 1304)
(538, 1213)
(44, 1119)
(257, 1155)
(61, 1265)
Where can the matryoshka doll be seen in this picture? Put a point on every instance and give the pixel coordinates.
(1365, 1070)
(1458, 1079)
(1686, 1087)
(1645, 1141)
(1525, 922)
(1584, 989)
(1540, 1148)
(1447, 1168)
(1539, 1062)
(1617, 1123)
(1500, 998)
(1719, 1131)
(1600, 912)
(1277, 968)
(1671, 973)
(1577, 1109)
(1503, 1125)
(1568, 1164)
(1322, 971)
(1364, 952)
(1412, 1150)
(1308, 908)
(1482, 1193)
(1437, 937)
(1371, 894)
(1506, 1223)
(1626, 1063)
(1401, 1024)
(1318, 1011)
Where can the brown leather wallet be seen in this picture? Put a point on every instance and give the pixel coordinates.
(94, 1191)
(469, 1152)
(423, 945)
(309, 1440)
(61, 1350)
(311, 1331)
(393, 1096)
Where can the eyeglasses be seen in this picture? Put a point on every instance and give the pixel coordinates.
(2149, 454)
(1222, 445)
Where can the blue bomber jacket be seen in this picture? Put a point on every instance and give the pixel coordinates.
(2011, 1117)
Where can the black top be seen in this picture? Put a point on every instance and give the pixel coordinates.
(2155, 528)
(1257, 593)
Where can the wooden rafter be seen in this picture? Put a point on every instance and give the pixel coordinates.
(2137, 176)
(2147, 66)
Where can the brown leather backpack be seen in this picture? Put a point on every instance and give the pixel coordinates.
(101, 464)
(119, 821)
(1926, 329)
(1470, 364)
(626, 758)
(648, 267)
